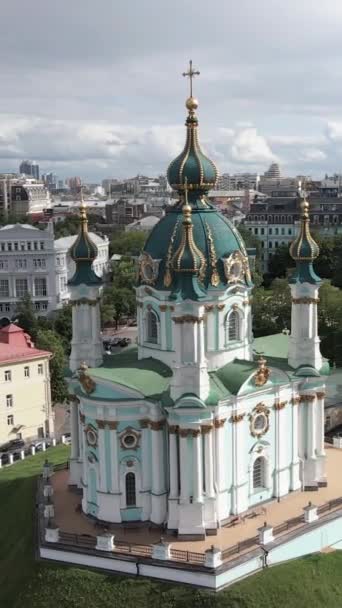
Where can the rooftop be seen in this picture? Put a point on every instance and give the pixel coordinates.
(151, 377)
(65, 242)
(16, 345)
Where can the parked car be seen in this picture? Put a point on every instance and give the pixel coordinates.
(125, 341)
(16, 444)
(4, 458)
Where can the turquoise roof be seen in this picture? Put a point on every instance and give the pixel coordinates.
(214, 236)
(152, 378)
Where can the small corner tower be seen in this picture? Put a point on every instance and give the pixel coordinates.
(85, 287)
(304, 283)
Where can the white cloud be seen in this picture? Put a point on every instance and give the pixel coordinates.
(250, 147)
(313, 155)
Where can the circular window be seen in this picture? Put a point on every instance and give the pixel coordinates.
(129, 440)
(259, 424)
(148, 272)
(236, 269)
(91, 437)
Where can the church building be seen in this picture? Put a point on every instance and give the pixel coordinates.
(198, 421)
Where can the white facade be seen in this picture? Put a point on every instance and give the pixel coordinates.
(27, 265)
(25, 395)
(22, 195)
(32, 262)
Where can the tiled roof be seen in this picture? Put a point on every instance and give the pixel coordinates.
(16, 345)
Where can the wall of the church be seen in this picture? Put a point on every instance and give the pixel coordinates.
(218, 346)
(193, 466)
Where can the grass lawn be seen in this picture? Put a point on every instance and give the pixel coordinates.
(313, 582)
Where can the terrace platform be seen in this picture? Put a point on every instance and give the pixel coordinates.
(70, 520)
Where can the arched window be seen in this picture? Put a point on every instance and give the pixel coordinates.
(152, 327)
(130, 490)
(232, 326)
(259, 477)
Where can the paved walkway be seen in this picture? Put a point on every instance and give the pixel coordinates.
(291, 506)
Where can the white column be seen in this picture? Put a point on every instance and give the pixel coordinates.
(282, 477)
(158, 472)
(74, 430)
(240, 482)
(145, 444)
(158, 513)
(102, 457)
(219, 449)
(183, 465)
(209, 460)
(320, 424)
(197, 466)
(295, 464)
(114, 457)
(311, 427)
(173, 462)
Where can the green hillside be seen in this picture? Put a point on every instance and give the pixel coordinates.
(313, 582)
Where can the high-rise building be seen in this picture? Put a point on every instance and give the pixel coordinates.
(30, 168)
(74, 183)
(273, 171)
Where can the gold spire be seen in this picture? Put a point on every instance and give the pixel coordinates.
(304, 247)
(188, 257)
(83, 213)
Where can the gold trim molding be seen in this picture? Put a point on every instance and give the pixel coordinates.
(235, 418)
(188, 319)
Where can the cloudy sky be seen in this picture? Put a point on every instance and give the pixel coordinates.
(94, 87)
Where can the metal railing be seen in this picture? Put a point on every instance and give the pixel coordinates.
(187, 556)
(81, 540)
(239, 547)
(133, 548)
(288, 524)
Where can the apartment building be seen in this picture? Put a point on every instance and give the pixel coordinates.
(25, 395)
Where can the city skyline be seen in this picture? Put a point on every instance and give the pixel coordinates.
(101, 93)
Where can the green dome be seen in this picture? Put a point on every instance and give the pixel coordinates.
(83, 249)
(218, 242)
(194, 248)
(192, 164)
(304, 250)
(84, 252)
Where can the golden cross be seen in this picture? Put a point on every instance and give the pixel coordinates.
(191, 73)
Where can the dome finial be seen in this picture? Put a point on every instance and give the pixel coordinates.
(191, 102)
(192, 162)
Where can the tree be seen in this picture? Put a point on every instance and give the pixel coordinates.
(128, 243)
(252, 241)
(63, 326)
(26, 316)
(124, 273)
(271, 308)
(116, 303)
(49, 340)
(280, 262)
